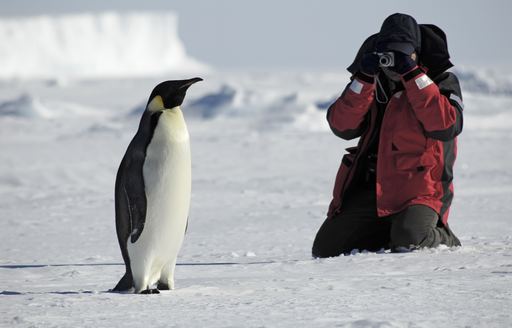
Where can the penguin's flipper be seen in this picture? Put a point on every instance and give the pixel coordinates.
(133, 189)
(137, 210)
(130, 200)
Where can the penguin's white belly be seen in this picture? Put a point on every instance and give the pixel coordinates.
(167, 179)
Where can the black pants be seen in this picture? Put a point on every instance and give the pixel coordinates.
(359, 227)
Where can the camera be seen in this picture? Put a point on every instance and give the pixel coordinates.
(386, 59)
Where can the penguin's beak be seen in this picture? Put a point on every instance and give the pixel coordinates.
(190, 82)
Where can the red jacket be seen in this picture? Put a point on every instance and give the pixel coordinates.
(417, 144)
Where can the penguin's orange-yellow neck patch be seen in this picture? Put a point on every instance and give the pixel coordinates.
(156, 104)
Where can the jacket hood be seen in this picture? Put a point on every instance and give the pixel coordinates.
(432, 50)
(399, 32)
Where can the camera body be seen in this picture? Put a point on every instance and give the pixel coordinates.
(386, 59)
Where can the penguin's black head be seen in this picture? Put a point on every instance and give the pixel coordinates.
(172, 93)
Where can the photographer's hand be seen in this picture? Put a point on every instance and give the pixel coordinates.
(369, 64)
(403, 63)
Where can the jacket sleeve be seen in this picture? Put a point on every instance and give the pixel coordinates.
(346, 116)
(437, 106)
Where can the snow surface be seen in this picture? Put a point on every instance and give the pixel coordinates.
(264, 163)
(88, 45)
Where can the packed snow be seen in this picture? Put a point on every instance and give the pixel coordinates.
(263, 166)
(264, 163)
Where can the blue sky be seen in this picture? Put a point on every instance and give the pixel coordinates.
(308, 35)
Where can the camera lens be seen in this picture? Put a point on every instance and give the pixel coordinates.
(385, 60)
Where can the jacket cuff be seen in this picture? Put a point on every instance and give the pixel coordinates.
(365, 78)
(416, 79)
(362, 84)
(412, 73)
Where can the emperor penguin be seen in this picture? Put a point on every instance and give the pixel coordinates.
(152, 192)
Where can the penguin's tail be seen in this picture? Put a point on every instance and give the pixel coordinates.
(124, 284)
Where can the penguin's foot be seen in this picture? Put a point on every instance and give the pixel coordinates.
(150, 291)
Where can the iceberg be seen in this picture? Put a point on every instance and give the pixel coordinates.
(93, 45)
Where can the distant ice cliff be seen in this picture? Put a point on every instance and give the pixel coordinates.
(93, 46)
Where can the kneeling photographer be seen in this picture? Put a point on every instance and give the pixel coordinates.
(394, 190)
